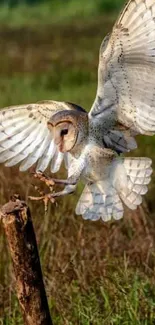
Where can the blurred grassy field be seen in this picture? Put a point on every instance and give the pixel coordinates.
(58, 11)
(94, 273)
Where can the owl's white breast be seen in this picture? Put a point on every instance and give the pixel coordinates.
(97, 163)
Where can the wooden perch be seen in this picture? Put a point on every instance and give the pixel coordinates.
(20, 234)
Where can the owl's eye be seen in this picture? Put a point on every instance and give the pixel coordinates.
(64, 132)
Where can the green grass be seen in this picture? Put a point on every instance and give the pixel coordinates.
(56, 11)
(35, 88)
(95, 273)
(123, 296)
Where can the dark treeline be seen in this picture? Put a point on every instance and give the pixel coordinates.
(12, 3)
(101, 5)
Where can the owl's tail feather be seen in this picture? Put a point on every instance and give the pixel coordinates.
(99, 202)
(138, 172)
(127, 181)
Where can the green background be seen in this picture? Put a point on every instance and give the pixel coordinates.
(94, 273)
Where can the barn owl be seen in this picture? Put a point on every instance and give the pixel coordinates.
(91, 144)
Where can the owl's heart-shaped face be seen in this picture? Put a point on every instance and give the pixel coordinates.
(64, 135)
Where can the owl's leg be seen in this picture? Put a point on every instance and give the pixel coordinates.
(69, 189)
(52, 181)
(63, 181)
(74, 172)
(46, 198)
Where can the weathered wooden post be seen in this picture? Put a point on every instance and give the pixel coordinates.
(30, 288)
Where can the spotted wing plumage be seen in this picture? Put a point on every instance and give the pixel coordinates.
(25, 138)
(125, 97)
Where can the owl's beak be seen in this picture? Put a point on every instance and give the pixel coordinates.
(56, 136)
(58, 139)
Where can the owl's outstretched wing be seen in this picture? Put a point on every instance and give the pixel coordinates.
(126, 76)
(25, 138)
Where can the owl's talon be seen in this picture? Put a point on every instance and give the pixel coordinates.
(36, 188)
(36, 198)
(50, 182)
(45, 198)
(43, 178)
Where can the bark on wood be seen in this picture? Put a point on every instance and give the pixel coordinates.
(20, 234)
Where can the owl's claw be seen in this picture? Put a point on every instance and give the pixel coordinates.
(43, 178)
(45, 198)
(50, 197)
(50, 182)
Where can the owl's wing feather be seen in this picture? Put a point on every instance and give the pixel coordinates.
(25, 138)
(126, 75)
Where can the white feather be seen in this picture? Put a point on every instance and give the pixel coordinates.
(132, 186)
(46, 158)
(126, 79)
(24, 135)
(22, 144)
(19, 137)
(56, 161)
(100, 201)
(36, 154)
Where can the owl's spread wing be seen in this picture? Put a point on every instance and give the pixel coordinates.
(126, 76)
(25, 138)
